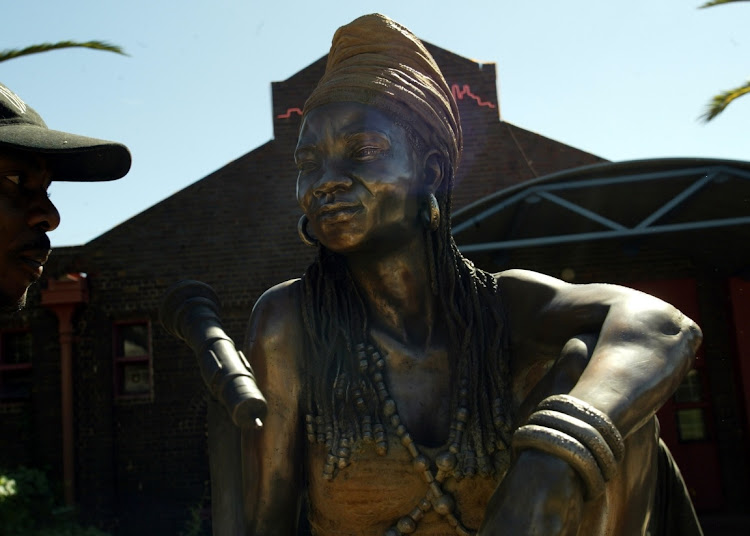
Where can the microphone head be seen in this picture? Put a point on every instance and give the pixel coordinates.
(190, 312)
(181, 295)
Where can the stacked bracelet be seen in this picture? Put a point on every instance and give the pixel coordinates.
(564, 447)
(579, 409)
(577, 433)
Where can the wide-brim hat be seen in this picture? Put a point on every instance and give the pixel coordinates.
(70, 157)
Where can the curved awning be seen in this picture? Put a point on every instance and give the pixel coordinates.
(645, 198)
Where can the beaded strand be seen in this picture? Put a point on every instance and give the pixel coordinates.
(464, 457)
(435, 498)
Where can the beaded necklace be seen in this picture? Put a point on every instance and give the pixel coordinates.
(458, 461)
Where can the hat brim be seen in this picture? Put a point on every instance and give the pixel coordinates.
(70, 157)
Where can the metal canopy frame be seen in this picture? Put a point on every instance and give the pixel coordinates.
(705, 175)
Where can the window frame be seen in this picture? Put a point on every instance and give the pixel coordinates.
(119, 362)
(703, 404)
(8, 399)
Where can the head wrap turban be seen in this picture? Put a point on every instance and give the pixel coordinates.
(376, 61)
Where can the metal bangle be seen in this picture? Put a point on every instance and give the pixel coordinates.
(564, 447)
(579, 409)
(583, 432)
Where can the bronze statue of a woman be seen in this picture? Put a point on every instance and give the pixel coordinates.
(410, 392)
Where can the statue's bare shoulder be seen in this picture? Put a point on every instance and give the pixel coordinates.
(274, 348)
(271, 456)
(543, 310)
(275, 316)
(539, 300)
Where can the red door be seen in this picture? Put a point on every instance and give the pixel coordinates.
(687, 417)
(739, 293)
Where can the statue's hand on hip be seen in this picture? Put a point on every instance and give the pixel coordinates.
(540, 495)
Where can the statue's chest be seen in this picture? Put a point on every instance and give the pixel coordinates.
(398, 459)
(419, 381)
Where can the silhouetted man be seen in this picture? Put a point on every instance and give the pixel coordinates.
(32, 156)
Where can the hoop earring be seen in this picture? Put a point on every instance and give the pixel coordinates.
(304, 235)
(431, 213)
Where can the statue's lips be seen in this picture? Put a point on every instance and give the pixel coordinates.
(337, 212)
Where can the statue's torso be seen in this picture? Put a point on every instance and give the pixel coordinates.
(373, 492)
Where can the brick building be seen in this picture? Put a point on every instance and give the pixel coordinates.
(129, 437)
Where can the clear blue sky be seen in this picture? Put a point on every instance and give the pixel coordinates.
(623, 80)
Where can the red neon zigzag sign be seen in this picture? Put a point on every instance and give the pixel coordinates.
(458, 93)
(289, 113)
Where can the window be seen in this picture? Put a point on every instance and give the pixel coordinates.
(132, 356)
(691, 424)
(15, 365)
(690, 389)
(690, 406)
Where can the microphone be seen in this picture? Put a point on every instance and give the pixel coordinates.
(190, 312)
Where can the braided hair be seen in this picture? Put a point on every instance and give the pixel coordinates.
(377, 62)
(342, 402)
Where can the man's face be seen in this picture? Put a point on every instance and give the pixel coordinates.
(26, 215)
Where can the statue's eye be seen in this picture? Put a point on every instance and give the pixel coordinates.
(306, 166)
(368, 152)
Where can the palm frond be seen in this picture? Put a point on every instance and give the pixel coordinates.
(719, 2)
(10, 54)
(722, 100)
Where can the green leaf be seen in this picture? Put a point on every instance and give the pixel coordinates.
(719, 2)
(722, 100)
(10, 54)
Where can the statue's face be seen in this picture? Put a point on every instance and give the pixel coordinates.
(359, 178)
(26, 214)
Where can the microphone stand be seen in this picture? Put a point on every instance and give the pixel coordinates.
(190, 312)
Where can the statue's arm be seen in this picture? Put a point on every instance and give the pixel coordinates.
(272, 456)
(644, 348)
